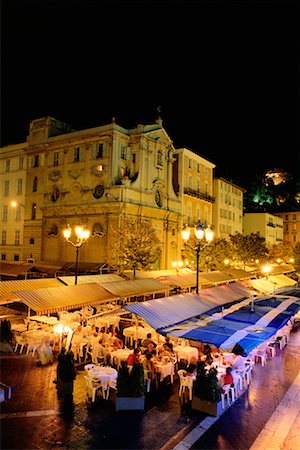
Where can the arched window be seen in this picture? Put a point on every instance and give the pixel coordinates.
(34, 184)
(33, 211)
(31, 241)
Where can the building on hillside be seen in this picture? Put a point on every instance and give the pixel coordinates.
(291, 226)
(266, 225)
(13, 169)
(228, 208)
(93, 178)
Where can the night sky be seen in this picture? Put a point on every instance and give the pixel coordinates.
(224, 73)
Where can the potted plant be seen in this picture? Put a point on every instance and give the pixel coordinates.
(66, 373)
(6, 336)
(130, 387)
(206, 391)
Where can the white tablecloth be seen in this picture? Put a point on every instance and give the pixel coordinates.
(186, 353)
(138, 332)
(103, 374)
(120, 355)
(107, 321)
(164, 370)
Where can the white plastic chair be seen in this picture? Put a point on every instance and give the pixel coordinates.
(228, 391)
(93, 386)
(20, 342)
(112, 384)
(186, 382)
(261, 355)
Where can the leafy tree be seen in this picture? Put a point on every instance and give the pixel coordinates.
(214, 254)
(281, 251)
(296, 255)
(135, 246)
(250, 247)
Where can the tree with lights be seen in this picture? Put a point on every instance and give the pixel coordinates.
(135, 246)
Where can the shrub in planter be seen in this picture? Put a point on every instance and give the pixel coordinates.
(206, 390)
(130, 387)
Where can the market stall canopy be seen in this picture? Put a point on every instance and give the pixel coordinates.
(282, 280)
(135, 287)
(188, 280)
(85, 279)
(239, 274)
(8, 288)
(261, 285)
(166, 311)
(282, 268)
(216, 277)
(14, 270)
(150, 274)
(244, 325)
(174, 309)
(45, 301)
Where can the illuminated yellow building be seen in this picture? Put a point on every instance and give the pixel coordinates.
(291, 226)
(228, 210)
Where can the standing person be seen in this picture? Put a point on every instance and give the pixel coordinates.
(148, 340)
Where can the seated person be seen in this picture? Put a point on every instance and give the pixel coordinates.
(134, 358)
(227, 379)
(169, 343)
(165, 351)
(238, 363)
(191, 368)
(149, 366)
(150, 350)
(148, 340)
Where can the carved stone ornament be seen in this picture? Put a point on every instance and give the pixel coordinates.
(98, 191)
(75, 173)
(158, 198)
(54, 175)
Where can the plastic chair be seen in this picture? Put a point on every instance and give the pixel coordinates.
(32, 347)
(261, 355)
(228, 390)
(94, 386)
(20, 342)
(112, 384)
(185, 382)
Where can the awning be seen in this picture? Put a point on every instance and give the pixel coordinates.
(14, 270)
(239, 274)
(7, 288)
(245, 324)
(282, 280)
(84, 279)
(188, 280)
(45, 301)
(134, 287)
(167, 311)
(171, 310)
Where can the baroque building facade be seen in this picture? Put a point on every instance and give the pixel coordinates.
(93, 178)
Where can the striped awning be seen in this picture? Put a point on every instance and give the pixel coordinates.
(45, 301)
(134, 287)
(84, 279)
(7, 288)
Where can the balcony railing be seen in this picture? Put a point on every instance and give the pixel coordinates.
(198, 194)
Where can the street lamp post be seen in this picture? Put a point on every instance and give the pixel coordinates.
(81, 237)
(200, 233)
(266, 270)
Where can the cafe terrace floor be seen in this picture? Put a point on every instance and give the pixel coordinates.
(34, 418)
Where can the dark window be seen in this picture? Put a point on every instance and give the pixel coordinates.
(3, 256)
(56, 159)
(16, 257)
(77, 154)
(34, 184)
(31, 241)
(33, 211)
(99, 153)
(36, 161)
(133, 158)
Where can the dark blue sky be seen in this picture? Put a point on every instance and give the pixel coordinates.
(225, 73)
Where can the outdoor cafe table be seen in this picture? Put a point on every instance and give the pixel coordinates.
(186, 352)
(104, 374)
(107, 321)
(120, 355)
(133, 333)
(164, 369)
